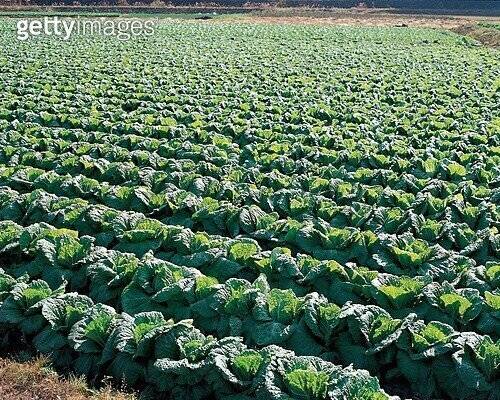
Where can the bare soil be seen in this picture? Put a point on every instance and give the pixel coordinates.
(361, 16)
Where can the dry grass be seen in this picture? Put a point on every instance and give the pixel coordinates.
(356, 20)
(488, 36)
(33, 380)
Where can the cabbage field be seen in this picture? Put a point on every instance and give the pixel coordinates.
(249, 211)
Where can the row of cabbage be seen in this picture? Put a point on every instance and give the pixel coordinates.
(199, 198)
(366, 336)
(452, 233)
(473, 290)
(166, 356)
(191, 198)
(469, 232)
(379, 158)
(100, 161)
(456, 225)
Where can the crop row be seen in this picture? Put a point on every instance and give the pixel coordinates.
(95, 339)
(164, 355)
(261, 315)
(315, 237)
(225, 258)
(366, 167)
